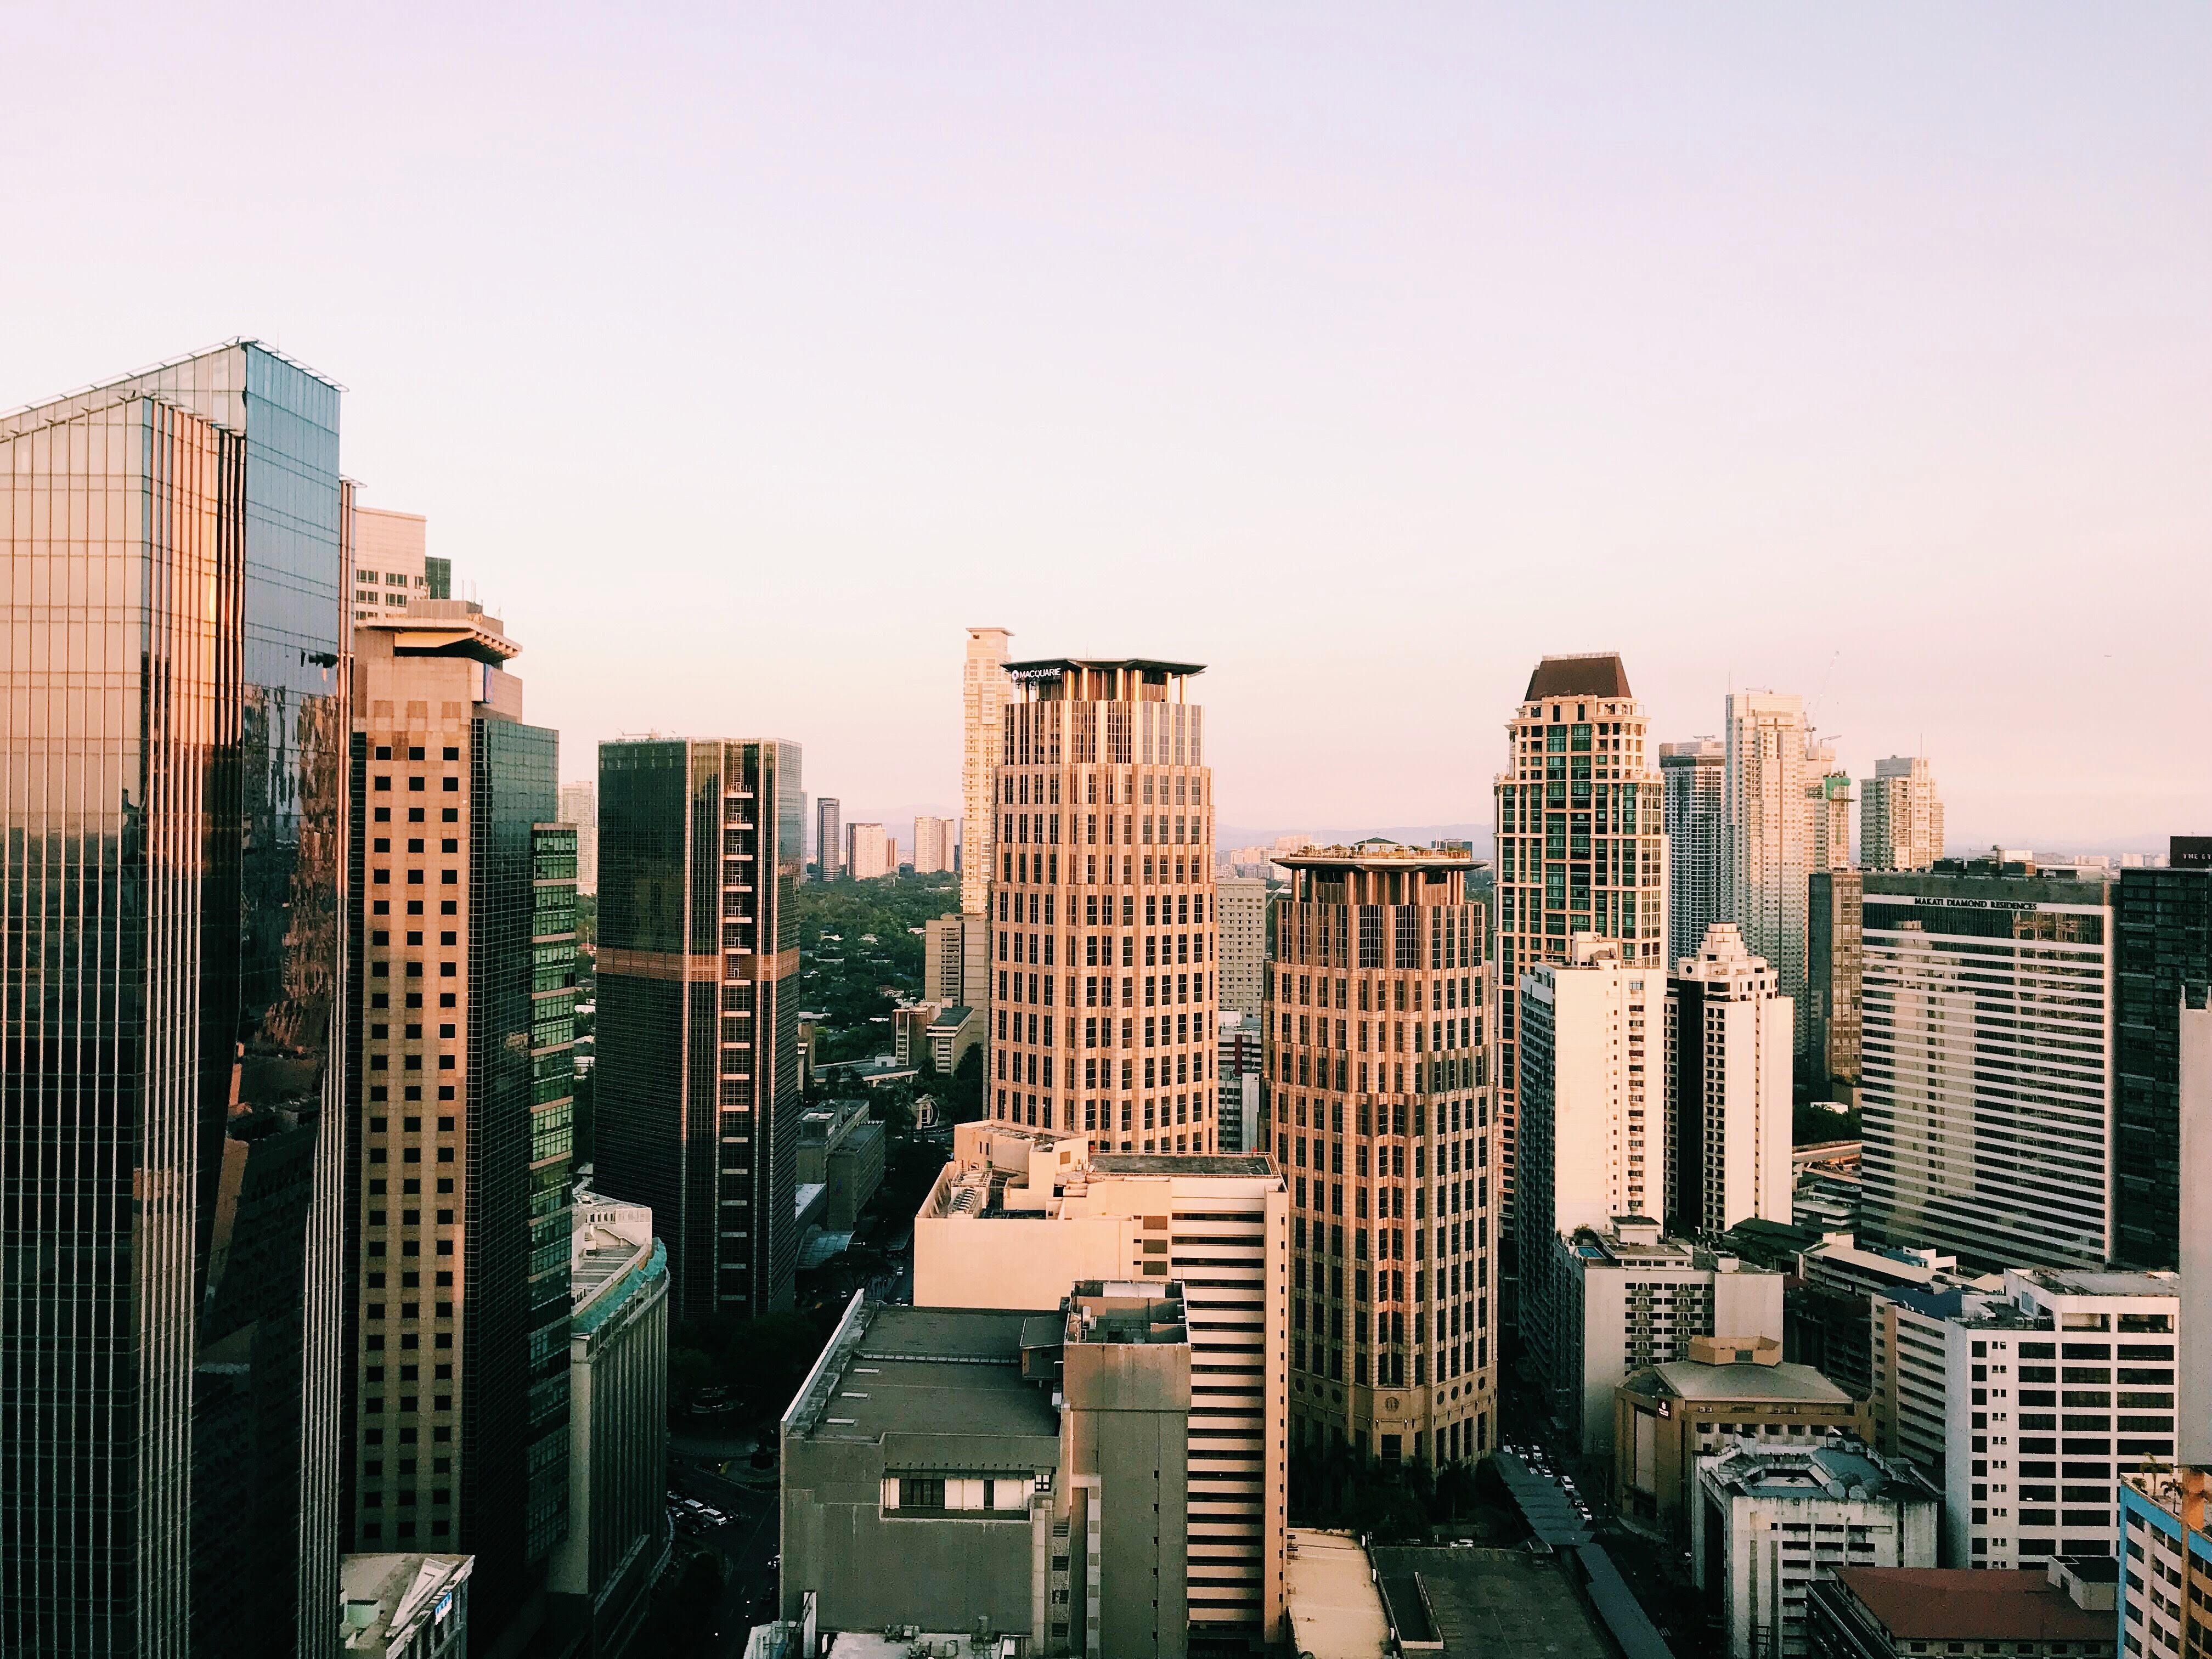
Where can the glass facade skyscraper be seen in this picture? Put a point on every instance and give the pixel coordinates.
(696, 1087)
(463, 1046)
(2165, 927)
(174, 553)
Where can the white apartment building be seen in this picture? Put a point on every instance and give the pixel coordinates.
(1241, 902)
(1901, 816)
(1986, 1066)
(932, 846)
(1020, 1215)
(1766, 847)
(1767, 1522)
(389, 563)
(580, 805)
(1693, 773)
(2052, 1390)
(1625, 1298)
(956, 961)
(869, 852)
(985, 690)
(1827, 807)
(1729, 1068)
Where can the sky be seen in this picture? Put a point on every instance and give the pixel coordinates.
(741, 355)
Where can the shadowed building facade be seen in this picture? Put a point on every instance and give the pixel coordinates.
(696, 1087)
(174, 554)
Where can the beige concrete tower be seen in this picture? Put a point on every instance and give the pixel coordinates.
(1581, 844)
(984, 691)
(1766, 847)
(1902, 822)
(1379, 1113)
(1102, 923)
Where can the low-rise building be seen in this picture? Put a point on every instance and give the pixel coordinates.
(1331, 1593)
(997, 1472)
(406, 1606)
(952, 1032)
(842, 1148)
(2063, 1608)
(1628, 1297)
(602, 1574)
(2165, 1553)
(1667, 1417)
(1768, 1522)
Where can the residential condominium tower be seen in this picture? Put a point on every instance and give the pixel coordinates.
(1691, 774)
(174, 564)
(1901, 816)
(1582, 845)
(1103, 992)
(465, 941)
(1985, 1070)
(829, 839)
(1378, 1105)
(1729, 1089)
(869, 852)
(1243, 934)
(579, 807)
(985, 690)
(696, 1088)
(932, 846)
(1766, 845)
(1827, 809)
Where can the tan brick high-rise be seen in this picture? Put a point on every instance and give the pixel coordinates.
(1380, 1114)
(1102, 923)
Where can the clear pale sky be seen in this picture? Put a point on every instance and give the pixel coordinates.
(740, 356)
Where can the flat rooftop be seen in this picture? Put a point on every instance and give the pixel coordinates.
(930, 1370)
(1947, 1604)
(2060, 1281)
(1820, 1470)
(1499, 1603)
(1687, 1379)
(1257, 1165)
(1335, 1609)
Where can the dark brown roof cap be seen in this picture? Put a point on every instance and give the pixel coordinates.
(1586, 674)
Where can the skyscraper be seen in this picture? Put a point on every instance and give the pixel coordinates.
(932, 845)
(2164, 964)
(1581, 845)
(985, 691)
(869, 853)
(1378, 1106)
(1828, 808)
(1901, 816)
(1692, 774)
(388, 562)
(1593, 1098)
(1766, 846)
(1730, 1037)
(829, 839)
(696, 1088)
(580, 807)
(465, 927)
(1986, 1072)
(175, 553)
(1834, 963)
(1104, 847)
(1243, 934)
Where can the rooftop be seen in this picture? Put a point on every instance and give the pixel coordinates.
(1584, 674)
(1045, 668)
(387, 1595)
(1837, 1471)
(923, 1370)
(1941, 1604)
(1183, 1163)
(1685, 1379)
(1335, 1610)
(1499, 1603)
(1377, 853)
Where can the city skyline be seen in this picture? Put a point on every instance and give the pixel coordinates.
(1474, 299)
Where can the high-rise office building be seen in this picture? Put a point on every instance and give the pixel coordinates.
(1828, 808)
(2164, 963)
(1985, 1073)
(696, 1093)
(465, 927)
(1691, 774)
(1834, 960)
(1243, 935)
(1729, 1035)
(1766, 848)
(1103, 996)
(1901, 816)
(579, 807)
(1582, 846)
(175, 557)
(869, 852)
(388, 562)
(985, 690)
(932, 846)
(1378, 1111)
(829, 839)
